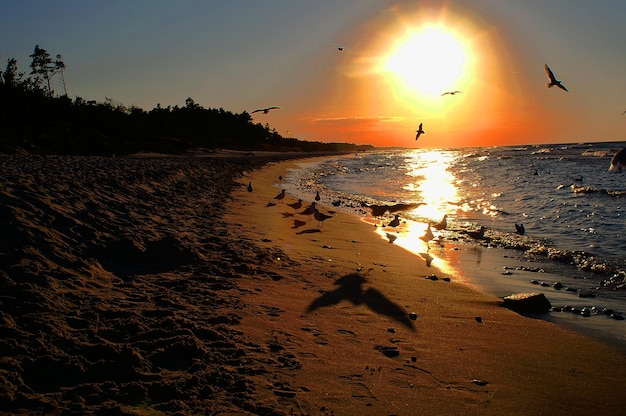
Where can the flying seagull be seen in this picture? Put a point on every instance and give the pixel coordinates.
(419, 131)
(265, 110)
(451, 92)
(553, 81)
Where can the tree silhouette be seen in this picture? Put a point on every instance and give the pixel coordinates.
(60, 66)
(11, 77)
(43, 68)
(34, 120)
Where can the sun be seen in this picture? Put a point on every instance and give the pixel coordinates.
(431, 60)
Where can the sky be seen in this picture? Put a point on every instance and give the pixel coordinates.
(399, 57)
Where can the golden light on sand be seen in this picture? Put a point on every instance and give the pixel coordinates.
(429, 61)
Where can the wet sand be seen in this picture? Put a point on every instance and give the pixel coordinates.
(160, 285)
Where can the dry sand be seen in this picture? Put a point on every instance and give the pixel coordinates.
(137, 286)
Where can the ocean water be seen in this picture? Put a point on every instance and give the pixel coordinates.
(572, 209)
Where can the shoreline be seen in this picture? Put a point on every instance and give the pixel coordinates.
(331, 289)
(506, 271)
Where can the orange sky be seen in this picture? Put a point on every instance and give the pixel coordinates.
(373, 105)
(504, 98)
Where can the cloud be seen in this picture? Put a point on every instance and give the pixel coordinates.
(359, 119)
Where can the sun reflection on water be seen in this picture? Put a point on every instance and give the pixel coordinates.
(408, 237)
(433, 183)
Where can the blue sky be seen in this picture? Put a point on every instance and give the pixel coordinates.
(242, 54)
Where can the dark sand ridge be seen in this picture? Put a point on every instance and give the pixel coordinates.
(336, 312)
(119, 288)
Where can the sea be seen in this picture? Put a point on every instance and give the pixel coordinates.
(571, 207)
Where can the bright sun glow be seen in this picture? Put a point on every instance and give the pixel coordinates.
(431, 61)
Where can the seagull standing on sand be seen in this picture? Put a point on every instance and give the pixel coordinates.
(309, 210)
(296, 205)
(428, 235)
(441, 225)
(395, 222)
(280, 196)
(419, 131)
(553, 81)
(266, 109)
(477, 234)
(321, 217)
(317, 196)
(618, 160)
(250, 189)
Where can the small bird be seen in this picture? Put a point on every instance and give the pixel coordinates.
(317, 196)
(618, 160)
(519, 228)
(553, 81)
(428, 235)
(391, 237)
(419, 131)
(280, 196)
(265, 110)
(309, 210)
(441, 225)
(296, 205)
(250, 188)
(321, 217)
(395, 222)
(477, 234)
(451, 93)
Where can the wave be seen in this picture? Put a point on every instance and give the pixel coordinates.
(592, 190)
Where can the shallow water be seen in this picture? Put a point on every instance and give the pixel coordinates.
(498, 187)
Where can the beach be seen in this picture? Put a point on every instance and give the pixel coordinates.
(161, 285)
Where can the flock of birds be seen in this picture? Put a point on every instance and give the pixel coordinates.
(554, 82)
(320, 217)
(308, 210)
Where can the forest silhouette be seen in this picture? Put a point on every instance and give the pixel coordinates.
(35, 120)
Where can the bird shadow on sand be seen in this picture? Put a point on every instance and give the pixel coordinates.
(310, 231)
(351, 289)
(298, 223)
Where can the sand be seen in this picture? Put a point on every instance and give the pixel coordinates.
(160, 285)
(340, 306)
